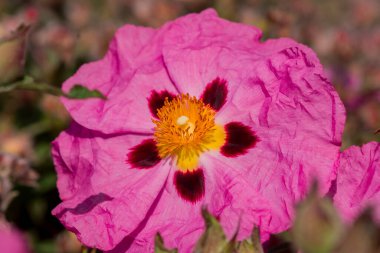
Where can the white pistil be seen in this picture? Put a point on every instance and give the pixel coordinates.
(182, 120)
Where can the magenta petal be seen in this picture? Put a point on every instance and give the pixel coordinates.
(98, 189)
(299, 119)
(227, 195)
(157, 99)
(358, 180)
(128, 73)
(215, 94)
(190, 185)
(12, 240)
(199, 48)
(239, 139)
(144, 155)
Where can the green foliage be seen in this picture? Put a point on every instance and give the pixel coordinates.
(214, 240)
(317, 227)
(363, 236)
(159, 246)
(12, 51)
(80, 92)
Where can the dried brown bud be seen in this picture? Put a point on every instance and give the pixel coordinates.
(159, 246)
(13, 170)
(253, 245)
(12, 51)
(317, 227)
(363, 236)
(213, 239)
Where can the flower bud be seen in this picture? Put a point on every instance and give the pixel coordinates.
(12, 51)
(317, 227)
(363, 236)
(159, 246)
(213, 239)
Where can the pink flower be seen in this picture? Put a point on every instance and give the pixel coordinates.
(358, 180)
(11, 240)
(199, 113)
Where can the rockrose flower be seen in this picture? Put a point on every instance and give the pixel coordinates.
(358, 181)
(199, 113)
(11, 240)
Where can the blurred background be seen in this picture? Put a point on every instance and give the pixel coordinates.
(62, 35)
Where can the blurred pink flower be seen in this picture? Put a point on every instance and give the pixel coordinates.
(358, 178)
(239, 126)
(11, 240)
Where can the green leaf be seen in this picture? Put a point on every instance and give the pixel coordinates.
(253, 245)
(317, 227)
(213, 239)
(159, 246)
(363, 235)
(80, 92)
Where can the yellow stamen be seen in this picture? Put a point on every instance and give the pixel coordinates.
(185, 129)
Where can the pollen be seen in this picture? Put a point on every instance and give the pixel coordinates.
(185, 129)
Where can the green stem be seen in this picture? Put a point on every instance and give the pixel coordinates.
(28, 83)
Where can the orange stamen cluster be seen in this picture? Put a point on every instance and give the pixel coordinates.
(185, 128)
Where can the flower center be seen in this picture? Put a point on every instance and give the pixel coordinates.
(185, 129)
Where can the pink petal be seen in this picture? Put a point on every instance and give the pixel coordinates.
(131, 244)
(227, 196)
(246, 208)
(11, 240)
(298, 118)
(128, 73)
(199, 48)
(104, 199)
(358, 180)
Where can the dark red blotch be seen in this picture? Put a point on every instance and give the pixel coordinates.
(215, 94)
(144, 155)
(190, 185)
(239, 138)
(157, 100)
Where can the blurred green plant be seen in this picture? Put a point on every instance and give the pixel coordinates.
(317, 227)
(159, 246)
(214, 240)
(12, 51)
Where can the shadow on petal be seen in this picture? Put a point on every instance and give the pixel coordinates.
(87, 205)
(125, 244)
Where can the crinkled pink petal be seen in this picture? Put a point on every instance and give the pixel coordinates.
(298, 118)
(131, 69)
(133, 244)
(104, 199)
(358, 180)
(11, 240)
(278, 88)
(246, 208)
(228, 196)
(199, 48)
